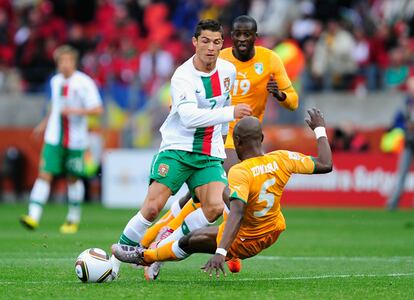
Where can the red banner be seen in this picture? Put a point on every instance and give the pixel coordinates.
(358, 180)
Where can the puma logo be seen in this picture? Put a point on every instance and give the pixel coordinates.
(244, 75)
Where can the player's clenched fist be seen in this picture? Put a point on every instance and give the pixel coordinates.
(242, 110)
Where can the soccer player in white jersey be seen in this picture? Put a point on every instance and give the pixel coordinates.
(74, 97)
(192, 148)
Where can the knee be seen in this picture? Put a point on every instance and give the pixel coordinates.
(150, 213)
(213, 211)
(151, 208)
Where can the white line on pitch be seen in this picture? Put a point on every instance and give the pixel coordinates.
(326, 276)
(330, 258)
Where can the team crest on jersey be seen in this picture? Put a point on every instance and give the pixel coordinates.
(163, 169)
(258, 67)
(227, 84)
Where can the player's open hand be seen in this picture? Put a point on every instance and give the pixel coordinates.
(38, 131)
(315, 118)
(242, 110)
(215, 263)
(273, 89)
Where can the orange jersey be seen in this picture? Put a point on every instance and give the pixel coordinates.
(252, 77)
(259, 183)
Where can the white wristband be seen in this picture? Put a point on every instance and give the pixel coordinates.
(320, 132)
(221, 251)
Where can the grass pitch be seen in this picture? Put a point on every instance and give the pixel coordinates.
(323, 254)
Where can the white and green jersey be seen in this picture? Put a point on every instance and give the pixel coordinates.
(200, 106)
(78, 91)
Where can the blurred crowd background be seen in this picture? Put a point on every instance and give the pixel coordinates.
(131, 47)
(127, 44)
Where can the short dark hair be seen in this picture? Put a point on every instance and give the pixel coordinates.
(245, 19)
(208, 24)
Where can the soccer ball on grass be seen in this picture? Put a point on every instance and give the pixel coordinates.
(93, 265)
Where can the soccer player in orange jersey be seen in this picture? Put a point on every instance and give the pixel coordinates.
(255, 220)
(260, 73)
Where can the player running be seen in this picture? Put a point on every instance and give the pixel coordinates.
(260, 73)
(74, 96)
(192, 147)
(255, 220)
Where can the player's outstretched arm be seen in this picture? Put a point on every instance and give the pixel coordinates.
(194, 117)
(291, 101)
(231, 229)
(323, 163)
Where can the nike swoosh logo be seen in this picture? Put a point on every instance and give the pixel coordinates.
(198, 91)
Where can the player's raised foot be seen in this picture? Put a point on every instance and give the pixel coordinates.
(129, 254)
(151, 273)
(29, 222)
(234, 265)
(69, 228)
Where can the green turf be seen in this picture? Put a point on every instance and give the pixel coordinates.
(324, 254)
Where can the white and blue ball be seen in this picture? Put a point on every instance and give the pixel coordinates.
(93, 265)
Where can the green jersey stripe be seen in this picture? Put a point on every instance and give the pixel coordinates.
(212, 85)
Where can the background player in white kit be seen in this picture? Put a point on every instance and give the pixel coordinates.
(192, 148)
(74, 96)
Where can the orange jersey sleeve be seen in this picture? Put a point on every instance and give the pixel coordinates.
(279, 72)
(259, 182)
(239, 183)
(295, 162)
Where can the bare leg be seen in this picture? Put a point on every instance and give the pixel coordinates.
(202, 240)
(211, 199)
(199, 241)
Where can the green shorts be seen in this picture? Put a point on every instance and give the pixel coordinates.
(173, 168)
(57, 160)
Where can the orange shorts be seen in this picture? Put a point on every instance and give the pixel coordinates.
(245, 248)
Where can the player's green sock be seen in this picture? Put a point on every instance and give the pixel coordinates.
(124, 240)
